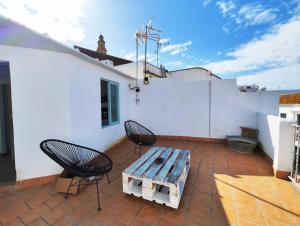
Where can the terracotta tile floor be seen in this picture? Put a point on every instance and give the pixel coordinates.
(223, 188)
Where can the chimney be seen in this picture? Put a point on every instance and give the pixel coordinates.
(101, 45)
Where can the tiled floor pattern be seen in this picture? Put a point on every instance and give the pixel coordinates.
(223, 188)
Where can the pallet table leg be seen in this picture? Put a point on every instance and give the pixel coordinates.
(148, 189)
(174, 195)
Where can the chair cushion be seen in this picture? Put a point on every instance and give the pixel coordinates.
(242, 139)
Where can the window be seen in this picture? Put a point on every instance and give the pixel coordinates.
(109, 103)
(298, 119)
(282, 115)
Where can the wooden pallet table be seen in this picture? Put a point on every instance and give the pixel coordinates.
(161, 182)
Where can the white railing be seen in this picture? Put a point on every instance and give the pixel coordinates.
(295, 169)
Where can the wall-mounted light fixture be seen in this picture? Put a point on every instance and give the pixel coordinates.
(136, 88)
(146, 80)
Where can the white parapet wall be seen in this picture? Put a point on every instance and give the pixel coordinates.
(178, 107)
(231, 108)
(276, 139)
(284, 154)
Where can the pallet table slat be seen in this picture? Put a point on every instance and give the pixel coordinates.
(156, 167)
(178, 167)
(133, 167)
(162, 183)
(165, 170)
(148, 163)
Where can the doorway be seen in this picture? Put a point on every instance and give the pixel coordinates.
(7, 157)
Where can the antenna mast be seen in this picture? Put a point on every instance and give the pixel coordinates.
(139, 36)
(152, 34)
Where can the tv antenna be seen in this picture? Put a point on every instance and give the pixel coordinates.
(142, 35)
(151, 34)
(139, 37)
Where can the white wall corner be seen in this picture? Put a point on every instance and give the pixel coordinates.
(285, 146)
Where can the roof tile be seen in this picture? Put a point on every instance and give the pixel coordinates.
(116, 60)
(293, 98)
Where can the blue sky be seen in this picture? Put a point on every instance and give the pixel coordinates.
(229, 37)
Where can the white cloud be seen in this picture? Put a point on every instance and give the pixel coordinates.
(206, 2)
(247, 15)
(225, 29)
(151, 58)
(60, 19)
(176, 48)
(279, 47)
(225, 6)
(274, 79)
(130, 55)
(176, 63)
(164, 40)
(252, 14)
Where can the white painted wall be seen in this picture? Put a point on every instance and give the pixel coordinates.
(268, 126)
(174, 106)
(180, 107)
(170, 106)
(231, 108)
(56, 95)
(130, 69)
(268, 101)
(283, 155)
(291, 111)
(276, 139)
(86, 106)
(40, 104)
(275, 133)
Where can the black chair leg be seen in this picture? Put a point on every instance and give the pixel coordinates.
(107, 178)
(71, 183)
(97, 181)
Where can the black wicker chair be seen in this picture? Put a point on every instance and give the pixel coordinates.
(140, 135)
(79, 161)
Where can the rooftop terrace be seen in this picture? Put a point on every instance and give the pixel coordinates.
(223, 188)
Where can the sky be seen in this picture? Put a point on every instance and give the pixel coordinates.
(232, 38)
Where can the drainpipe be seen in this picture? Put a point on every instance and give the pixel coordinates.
(145, 63)
(137, 71)
(209, 104)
